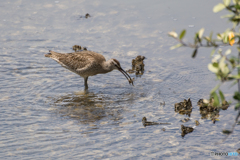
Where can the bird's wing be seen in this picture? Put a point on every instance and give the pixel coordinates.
(84, 63)
(84, 69)
(75, 61)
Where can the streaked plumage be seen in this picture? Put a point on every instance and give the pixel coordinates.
(87, 63)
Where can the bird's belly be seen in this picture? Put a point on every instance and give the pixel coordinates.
(88, 72)
(92, 73)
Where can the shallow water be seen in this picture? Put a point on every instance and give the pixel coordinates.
(45, 112)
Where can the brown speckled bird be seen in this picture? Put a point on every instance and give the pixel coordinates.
(87, 63)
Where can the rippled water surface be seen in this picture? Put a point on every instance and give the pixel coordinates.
(45, 112)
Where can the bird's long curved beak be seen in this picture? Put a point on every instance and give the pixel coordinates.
(126, 75)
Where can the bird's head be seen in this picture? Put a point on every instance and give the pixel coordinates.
(116, 65)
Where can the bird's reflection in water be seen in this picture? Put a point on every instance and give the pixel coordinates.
(87, 107)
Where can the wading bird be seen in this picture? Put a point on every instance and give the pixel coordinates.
(87, 63)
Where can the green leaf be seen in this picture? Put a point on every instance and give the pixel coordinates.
(215, 64)
(222, 62)
(225, 37)
(207, 39)
(232, 61)
(225, 70)
(194, 53)
(197, 39)
(235, 37)
(221, 95)
(237, 6)
(218, 7)
(227, 16)
(210, 36)
(237, 106)
(236, 96)
(219, 36)
(213, 68)
(223, 66)
(215, 58)
(235, 76)
(182, 34)
(228, 52)
(216, 99)
(214, 89)
(218, 76)
(173, 34)
(200, 33)
(176, 46)
(226, 2)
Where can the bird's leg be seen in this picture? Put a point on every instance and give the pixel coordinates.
(85, 83)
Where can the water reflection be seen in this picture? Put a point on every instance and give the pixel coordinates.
(88, 107)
